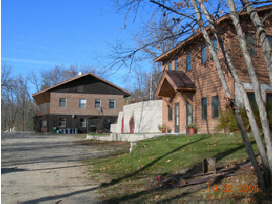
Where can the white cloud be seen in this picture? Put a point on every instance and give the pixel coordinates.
(27, 61)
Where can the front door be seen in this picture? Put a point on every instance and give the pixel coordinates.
(189, 114)
(177, 118)
(44, 126)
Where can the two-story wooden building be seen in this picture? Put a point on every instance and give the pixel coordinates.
(190, 87)
(86, 103)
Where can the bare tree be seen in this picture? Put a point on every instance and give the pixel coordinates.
(5, 75)
(160, 36)
(219, 69)
(57, 75)
(251, 117)
(184, 5)
(254, 80)
(33, 78)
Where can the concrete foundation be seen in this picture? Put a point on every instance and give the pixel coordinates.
(147, 115)
(123, 137)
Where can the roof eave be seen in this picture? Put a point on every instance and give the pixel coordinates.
(171, 52)
(42, 94)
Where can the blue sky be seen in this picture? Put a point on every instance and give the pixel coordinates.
(39, 34)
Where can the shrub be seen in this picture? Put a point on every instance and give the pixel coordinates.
(228, 122)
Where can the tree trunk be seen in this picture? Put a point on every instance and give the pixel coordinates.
(247, 105)
(267, 50)
(254, 80)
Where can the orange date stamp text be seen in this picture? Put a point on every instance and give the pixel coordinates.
(228, 188)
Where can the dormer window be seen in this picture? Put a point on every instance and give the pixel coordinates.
(203, 53)
(170, 67)
(269, 37)
(251, 43)
(215, 45)
(189, 61)
(177, 64)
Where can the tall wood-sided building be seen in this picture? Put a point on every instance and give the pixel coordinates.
(190, 87)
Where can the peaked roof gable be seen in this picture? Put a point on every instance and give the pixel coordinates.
(44, 95)
(173, 81)
(178, 47)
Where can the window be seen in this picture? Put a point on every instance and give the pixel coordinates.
(80, 89)
(177, 64)
(269, 99)
(204, 108)
(203, 53)
(62, 122)
(215, 45)
(170, 113)
(269, 37)
(252, 100)
(97, 103)
(83, 122)
(82, 103)
(106, 123)
(44, 123)
(111, 104)
(215, 106)
(251, 43)
(62, 103)
(170, 65)
(189, 62)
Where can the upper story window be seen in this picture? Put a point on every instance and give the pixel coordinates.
(62, 102)
(82, 103)
(203, 53)
(177, 64)
(251, 43)
(97, 103)
(189, 61)
(215, 106)
(215, 45)
(80, 89)
(170, 67)
(269, 37)
(111, 104)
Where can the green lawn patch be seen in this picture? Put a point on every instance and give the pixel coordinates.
(133, 175)
(83, 136)
(99, 134)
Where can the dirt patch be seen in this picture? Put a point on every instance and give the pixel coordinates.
(240, 184)
(47, 168)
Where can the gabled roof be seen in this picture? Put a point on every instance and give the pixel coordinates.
(44, 95)
(172, 82)
(171, 52)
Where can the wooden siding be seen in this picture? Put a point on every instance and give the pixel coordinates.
(89, 85)
(206, 78)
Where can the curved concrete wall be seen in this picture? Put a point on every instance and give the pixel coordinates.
(147, 116)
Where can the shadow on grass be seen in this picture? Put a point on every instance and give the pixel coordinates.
(115, 181)
(195, 169)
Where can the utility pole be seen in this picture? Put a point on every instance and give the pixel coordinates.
(151, 85)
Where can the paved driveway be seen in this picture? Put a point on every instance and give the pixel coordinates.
(45, 169)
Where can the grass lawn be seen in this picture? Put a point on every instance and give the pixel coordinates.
(133, 176)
